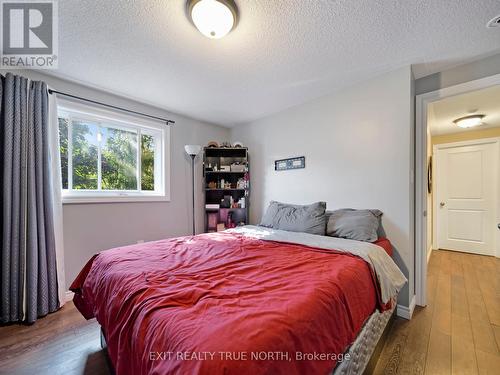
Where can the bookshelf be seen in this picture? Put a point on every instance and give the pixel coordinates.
(226, 182)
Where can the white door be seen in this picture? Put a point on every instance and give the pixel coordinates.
(466, 197)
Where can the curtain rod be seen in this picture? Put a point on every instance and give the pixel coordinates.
(111, 106)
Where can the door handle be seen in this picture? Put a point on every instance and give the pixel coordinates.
(498, 225)
(442, 204)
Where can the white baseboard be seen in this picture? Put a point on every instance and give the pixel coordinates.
(406, 312)
(429, 252)
(69, 295)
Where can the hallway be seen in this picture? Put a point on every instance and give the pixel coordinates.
(459, 331)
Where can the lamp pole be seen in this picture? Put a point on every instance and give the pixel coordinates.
(192, 150)
(192, 175)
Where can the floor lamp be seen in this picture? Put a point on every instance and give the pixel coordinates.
(192, 150)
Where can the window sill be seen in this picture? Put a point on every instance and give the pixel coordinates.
(114, 199)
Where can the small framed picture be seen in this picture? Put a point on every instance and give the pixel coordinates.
(291, 163)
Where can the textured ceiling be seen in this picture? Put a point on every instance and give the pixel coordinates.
(282, 52)
(485, 102)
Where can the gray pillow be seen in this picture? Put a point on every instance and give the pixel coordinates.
(360, 225)
(308, 219)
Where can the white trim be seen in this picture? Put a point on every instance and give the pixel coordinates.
(472, 142)
(69, 295)
(422, 101)
(73, 199)
(99, 154)
(70, 152)
(406, 312)
(138, 170)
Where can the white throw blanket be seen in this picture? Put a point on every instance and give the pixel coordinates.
(389, 276)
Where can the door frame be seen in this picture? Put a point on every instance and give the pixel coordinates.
(422, 102)
(435, 207)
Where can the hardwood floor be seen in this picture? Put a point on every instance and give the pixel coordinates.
(459, 331)
(60, 343)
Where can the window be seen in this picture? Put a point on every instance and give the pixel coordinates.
(108, 156)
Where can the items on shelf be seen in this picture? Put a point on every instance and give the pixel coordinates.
(237, 167)
(212, 220)
(227, 181)
(225, 144)
(240, 184)
(226, 201)
(230, 202)
(229, 221)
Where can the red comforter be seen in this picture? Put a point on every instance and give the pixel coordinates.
(213, 303)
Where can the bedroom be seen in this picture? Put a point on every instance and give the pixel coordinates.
(333, 82)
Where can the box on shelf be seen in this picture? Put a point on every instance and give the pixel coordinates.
(237, 168)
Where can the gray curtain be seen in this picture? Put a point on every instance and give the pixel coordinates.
(28, 257)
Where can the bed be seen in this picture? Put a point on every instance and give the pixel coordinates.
(250, 300)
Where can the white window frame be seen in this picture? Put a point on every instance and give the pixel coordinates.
(119, 120)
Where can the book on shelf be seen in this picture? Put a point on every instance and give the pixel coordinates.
(212, 206)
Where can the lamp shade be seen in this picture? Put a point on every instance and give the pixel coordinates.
(192, 149)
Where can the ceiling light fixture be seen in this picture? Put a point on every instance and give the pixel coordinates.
(213, 18)
(469, 121)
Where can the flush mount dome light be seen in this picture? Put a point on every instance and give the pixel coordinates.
(213, 18)
(469, 121)
(494, 22)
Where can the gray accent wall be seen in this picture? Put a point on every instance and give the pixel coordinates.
(358, 149)
(89, 228)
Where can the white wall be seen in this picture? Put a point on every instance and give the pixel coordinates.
(358, 149)
(89, 228)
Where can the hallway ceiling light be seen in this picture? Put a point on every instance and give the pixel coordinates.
(469, 121)
(213, 18)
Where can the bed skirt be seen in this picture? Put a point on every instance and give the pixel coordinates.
(367, 343)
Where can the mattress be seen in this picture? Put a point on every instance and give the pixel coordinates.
(361, 350)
